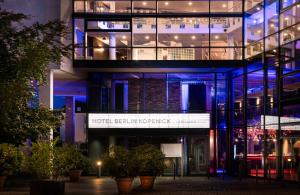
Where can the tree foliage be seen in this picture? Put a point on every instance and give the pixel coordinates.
(25, 54)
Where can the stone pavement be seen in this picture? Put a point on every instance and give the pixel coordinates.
(181, 186)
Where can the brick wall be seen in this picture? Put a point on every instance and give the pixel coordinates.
(174, 103)
(135, 94)
(155, 95)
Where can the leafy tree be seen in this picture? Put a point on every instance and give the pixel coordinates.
(25, 54)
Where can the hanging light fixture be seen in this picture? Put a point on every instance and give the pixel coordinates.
(297, 144)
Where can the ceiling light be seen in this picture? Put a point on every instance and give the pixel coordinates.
(101, 50)
(192, 45)
(286, 18)
(284, 34)
(144, 3)
(124, 37)
(147, 37)
(298, 5)
(216, 37)
(258, 8)
(191, 21)
(274, 50)
(193, 37)
(190, 3)
(272, 25)
(298, 28)
(259, 31)
(224, 5)
(166, 3)
(176, 37)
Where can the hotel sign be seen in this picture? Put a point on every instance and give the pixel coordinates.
(189, 120)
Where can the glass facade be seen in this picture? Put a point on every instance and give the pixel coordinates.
(254, 107)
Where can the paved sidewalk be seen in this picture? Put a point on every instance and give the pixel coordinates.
(181, 186)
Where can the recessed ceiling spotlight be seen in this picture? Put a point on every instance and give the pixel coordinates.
(298, 5)
(284, 34)
(176, 37)
(192, 45)
(190, 3)
(216, 37)
(191, 21)
(224, 5)
(166, 3)
(258, 8)
(298, 28)
(147, 37)
(272, 25)
(259, 31)
(124, 37)
(274, 50)
(193, 37)
(144, 3)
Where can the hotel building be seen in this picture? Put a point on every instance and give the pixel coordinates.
(219, 78)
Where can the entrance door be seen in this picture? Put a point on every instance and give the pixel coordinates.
(198, 155)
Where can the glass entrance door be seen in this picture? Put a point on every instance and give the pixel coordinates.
(198, 155)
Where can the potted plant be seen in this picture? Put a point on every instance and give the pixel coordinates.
(76, 161)
(10, 161)
(48, 163)
(150, 162)
(121, 166)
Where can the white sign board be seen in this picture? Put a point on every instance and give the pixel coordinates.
(190, 120)
(287, 123)
(171, 150)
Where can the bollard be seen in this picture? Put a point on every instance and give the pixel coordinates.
(174, 170)
(269, 174)
(256, 173)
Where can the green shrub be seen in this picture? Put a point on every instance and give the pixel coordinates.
(75, 159)
(150, 160)
(10, 159)
(120, 162)
(47, 161)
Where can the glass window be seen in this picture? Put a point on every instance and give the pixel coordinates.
(286, 3)
(226, 32)
(271, 42)
(185, 6)
(290, 34)
(290, 17)
(108, 6)
(108, 25)
(291, 60)
(291, 87)
(254, 49)
(226, 6)
(144, 7)
(252, 5)
(183, 32)
(144, 32)
(226, 53)
(79, 6)
(144, 54)
(254, 26)
(272, 10)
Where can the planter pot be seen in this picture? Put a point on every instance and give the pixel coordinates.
(47, 187)
(2, 182)
(147, 182)
(124, 185)
(75, 175)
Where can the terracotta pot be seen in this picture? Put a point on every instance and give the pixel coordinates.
(124, 185)
(147, 182)
(74, 175)
(2, 182)
(47, 187)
